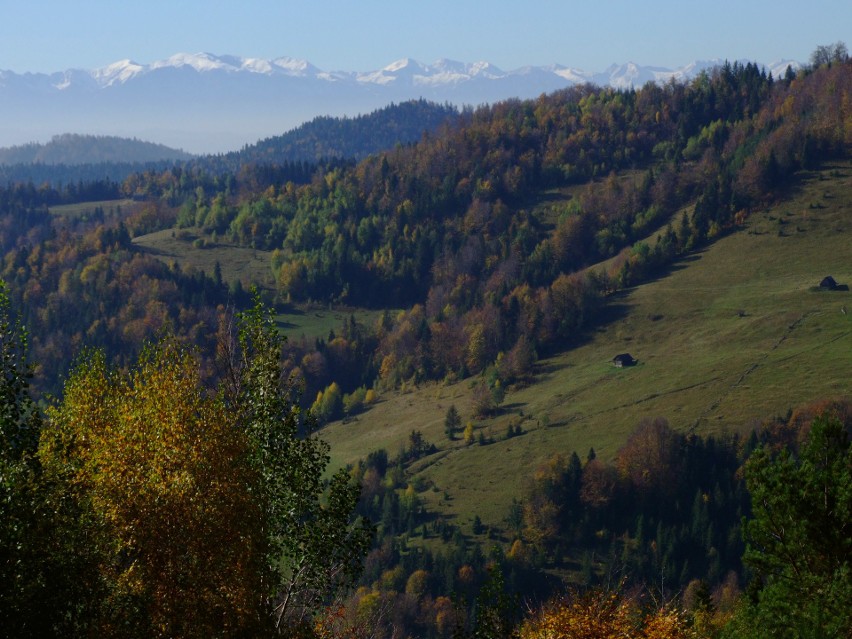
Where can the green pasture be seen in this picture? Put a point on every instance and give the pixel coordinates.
(194, 248)
(731, 335)
(87, 208)
(313, 321)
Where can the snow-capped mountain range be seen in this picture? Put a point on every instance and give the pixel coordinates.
(208, 103)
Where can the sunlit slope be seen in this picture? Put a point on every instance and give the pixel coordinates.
(731, 335)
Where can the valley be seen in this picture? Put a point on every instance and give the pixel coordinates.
(580, 349)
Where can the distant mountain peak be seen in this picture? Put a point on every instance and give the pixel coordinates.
(197, 61)
(222, 102)
(295, 66)
(120, 71)
(404, 64)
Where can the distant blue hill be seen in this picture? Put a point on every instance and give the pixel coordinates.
(72, 149)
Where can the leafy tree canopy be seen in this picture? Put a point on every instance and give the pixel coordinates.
(800, 539)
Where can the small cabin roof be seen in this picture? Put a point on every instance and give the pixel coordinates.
(828, 282)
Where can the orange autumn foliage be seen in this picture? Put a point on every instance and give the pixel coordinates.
(604, 615)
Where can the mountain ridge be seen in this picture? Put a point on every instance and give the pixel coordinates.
(616, 75)
(206, 103)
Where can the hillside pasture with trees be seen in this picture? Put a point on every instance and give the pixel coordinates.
(500, 264)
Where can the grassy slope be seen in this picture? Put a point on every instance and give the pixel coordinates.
(87, 208)
(317, 322)
(250, 266)
(246, 264)
(731, 335)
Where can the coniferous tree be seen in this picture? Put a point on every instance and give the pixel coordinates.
(452, 422)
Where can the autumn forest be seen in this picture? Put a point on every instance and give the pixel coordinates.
(163, 470)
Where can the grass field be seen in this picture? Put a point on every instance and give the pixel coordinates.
(87, 208)
(248, 265)
(315, 321)
(731, 335)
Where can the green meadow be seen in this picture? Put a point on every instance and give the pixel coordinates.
(733, 334)
(193, 248)
(87, 208)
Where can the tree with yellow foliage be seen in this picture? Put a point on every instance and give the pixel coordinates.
(468, 433)
(201, 513)
(157, 467)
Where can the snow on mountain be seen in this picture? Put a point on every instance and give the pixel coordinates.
(573, 76)
(445, 65)
(626, 76)
(292, 66)
(198, 61)
(452, 72)
(120, 72)
(779, 68)
(443, 72)
(126, 70)
(403, 71)
(406, 66)
(204, 102)
(68, 79)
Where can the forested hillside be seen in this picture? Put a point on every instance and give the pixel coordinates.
(351, 138)
(484, 233)
(501, 238)
(71, 149)
(74, 159)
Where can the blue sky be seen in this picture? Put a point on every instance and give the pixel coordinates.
(53, 35)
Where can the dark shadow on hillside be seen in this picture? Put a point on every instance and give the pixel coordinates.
(150, 250)
(678, 265)
(839, 288)
(548, 197)
(546, 369)
(613, 310)
(430, 517)
(287, 309)
(794, 185)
